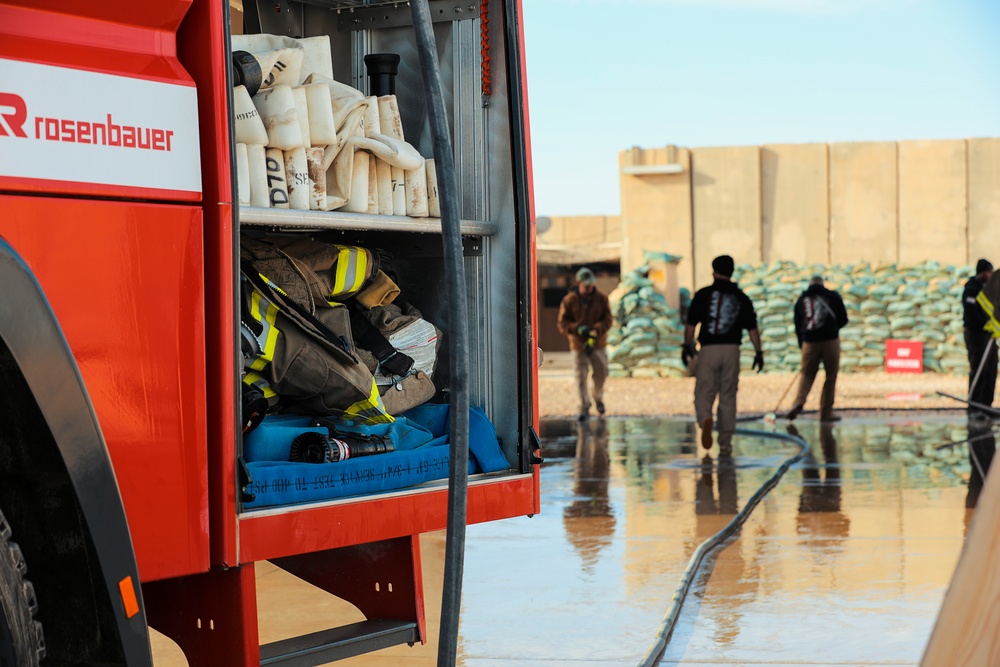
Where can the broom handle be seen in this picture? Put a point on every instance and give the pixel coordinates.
(982, 362)
(787, 389)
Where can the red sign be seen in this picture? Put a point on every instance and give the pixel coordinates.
(904, 356)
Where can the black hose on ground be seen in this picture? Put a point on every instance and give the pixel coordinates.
(458, 334)
(666, 629)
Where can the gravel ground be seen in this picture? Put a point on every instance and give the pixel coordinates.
(758, 393)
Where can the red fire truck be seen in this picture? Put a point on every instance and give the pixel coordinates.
(123, 481)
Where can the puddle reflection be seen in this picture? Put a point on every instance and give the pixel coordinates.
(858, 541)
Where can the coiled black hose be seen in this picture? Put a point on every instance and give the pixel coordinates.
(458, 475)
(666, 629)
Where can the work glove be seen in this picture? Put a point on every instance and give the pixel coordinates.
(758, 361)
(687, 351)
(583, 331)
(590, 341)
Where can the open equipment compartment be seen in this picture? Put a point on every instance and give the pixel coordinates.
(494, 221)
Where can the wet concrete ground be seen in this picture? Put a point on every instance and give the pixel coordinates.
(845, 563)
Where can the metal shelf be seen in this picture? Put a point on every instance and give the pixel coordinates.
(288, 218)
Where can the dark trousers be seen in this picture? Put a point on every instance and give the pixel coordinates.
(978, 343)
(826, 352)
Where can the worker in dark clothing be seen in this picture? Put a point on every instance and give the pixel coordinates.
(979, 343)
(723, 311)
(585, 319)
(819, 317)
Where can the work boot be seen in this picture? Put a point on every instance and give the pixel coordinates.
(600, 408)
(830, 418)
(706, 433)
(583, 416)
(794, 412)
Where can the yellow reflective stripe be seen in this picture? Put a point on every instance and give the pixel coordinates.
(343, 264)
(254, 379)
(273, 286)
(360, 269)
(992, 325)
(270, 330)
(371, 409)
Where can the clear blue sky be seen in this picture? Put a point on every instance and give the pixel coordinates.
(605, 76)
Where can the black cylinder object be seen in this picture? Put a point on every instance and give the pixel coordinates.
(246, 72)
(382, 69)
(313, 447)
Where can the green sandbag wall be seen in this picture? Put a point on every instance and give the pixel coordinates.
(886, 301)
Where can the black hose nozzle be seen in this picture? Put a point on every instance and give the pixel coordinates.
(246, 72)
(382, 69)
(313, 447)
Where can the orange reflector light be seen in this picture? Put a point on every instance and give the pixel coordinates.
(128, 597)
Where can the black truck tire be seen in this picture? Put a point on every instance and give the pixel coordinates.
(21, 641)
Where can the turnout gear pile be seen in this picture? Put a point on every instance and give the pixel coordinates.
(305, 328)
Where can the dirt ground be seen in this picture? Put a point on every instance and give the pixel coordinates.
(758, 393)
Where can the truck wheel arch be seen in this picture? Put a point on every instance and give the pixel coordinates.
(53, 460)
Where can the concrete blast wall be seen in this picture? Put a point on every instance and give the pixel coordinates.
(841, 203)
(795, 204)
(863, 222)
(726, 207)
(933, 213)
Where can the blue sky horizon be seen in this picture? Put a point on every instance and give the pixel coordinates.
(606, 76)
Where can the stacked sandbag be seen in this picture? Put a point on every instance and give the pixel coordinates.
(645, 340)
(887, 301)
(921, 302)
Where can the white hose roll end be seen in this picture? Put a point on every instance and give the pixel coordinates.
(390, 122)
(383, 173)
(322, 126)
(433, 203)
(257, 162)
(372, 185)
(398, 191)
(317, 178)
(277, 186)
(358, 203)
(297, 173)
(302, 114)
(416, 192)
(276, 107)
(249, 126)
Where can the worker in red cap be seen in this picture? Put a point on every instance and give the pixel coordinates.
(585, 319)
(723, 311)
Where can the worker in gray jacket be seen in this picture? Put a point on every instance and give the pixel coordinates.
(819, 317)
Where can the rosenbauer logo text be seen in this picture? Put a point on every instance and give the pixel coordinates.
(14, 122)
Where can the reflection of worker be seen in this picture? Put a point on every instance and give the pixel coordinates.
(982, 446)
(819, 317)
(979, 342)
(705, 499)
(822, 494)
(723, 311)
(585, 319)
(589, 520)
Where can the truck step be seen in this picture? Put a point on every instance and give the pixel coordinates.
(325, 646)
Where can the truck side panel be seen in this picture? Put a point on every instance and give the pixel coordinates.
(125, 282)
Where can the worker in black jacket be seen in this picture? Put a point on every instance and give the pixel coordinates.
(723, 311)
(979, 342)
(819, 317)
